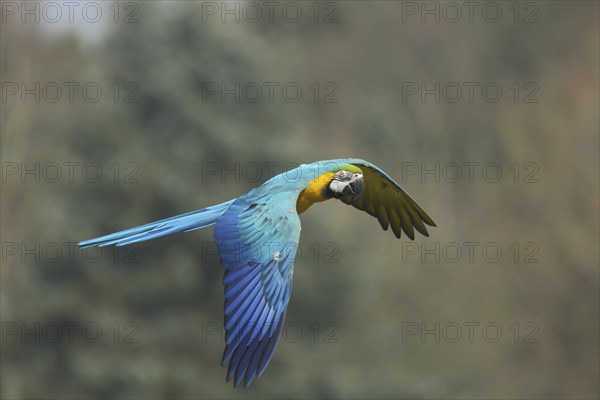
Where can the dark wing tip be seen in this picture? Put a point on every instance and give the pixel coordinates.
(426, 218)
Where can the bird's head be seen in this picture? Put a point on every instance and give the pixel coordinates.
(346, 183)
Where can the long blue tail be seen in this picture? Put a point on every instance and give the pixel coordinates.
(180, 223)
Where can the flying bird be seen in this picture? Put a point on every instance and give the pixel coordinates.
(257, 237)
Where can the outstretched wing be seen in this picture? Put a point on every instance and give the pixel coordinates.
(389, 203)
(257, 240)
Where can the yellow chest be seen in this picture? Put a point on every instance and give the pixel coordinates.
(314, 192)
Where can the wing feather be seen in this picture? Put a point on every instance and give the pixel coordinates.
(395, 222)
(382, 216)
(385, 200)
(257, 240)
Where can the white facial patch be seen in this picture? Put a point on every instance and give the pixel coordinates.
(337, 186)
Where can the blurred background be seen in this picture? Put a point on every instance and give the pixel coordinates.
(115, 114)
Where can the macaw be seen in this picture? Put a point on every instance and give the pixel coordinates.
(257, 237)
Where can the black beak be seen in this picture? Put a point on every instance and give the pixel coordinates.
(357, 186)
(354, 188)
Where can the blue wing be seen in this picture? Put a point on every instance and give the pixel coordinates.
(257, 239)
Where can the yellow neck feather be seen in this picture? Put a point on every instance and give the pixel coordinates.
(314, 192)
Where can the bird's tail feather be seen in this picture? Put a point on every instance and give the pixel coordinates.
(179, 223)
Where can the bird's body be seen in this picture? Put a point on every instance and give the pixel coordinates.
(257, 235)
